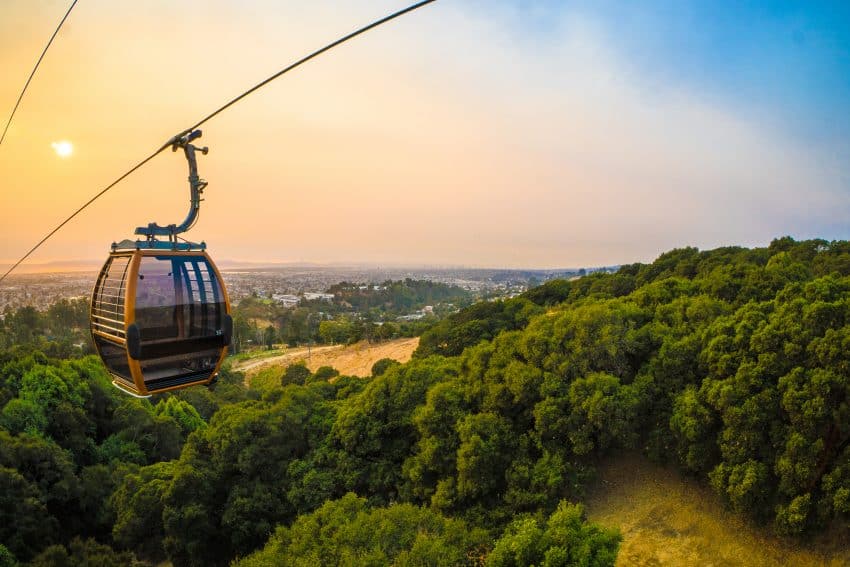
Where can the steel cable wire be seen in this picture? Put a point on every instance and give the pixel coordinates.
(175, 138)
(32, 74)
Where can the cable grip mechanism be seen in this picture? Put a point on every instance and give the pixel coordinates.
(196, 189)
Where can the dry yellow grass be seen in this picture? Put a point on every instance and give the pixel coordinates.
(350, 360)
(666, 519)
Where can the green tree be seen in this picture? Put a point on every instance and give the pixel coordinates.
(348, 532)
(138, 505)
(231, 484)
(182, 412)
(339, 331)
(7, 559)
(382, 366)
(603, 413)
(25, 524)
(486, 447)
(83, 553)
(325, 373)
(24, 415)
(269, 336)
(158, 436)
(297, 374)
(566, 539)
(374, 432)
(244, 332)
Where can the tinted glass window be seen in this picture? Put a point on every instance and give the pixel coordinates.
(178, 298)
(159, 299)
(206, 304)
(179, 311)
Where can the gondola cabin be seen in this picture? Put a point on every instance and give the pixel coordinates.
(160, 319)
(160, 316)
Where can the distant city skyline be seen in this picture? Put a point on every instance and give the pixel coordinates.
(513, 134)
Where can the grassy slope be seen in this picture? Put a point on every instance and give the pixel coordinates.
(666, 519)
(350, 360)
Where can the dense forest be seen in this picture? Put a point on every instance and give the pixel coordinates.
(732, 363)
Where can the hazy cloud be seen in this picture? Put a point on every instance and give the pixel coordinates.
(457, 136)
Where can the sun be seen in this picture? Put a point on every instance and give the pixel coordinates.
(63, 148)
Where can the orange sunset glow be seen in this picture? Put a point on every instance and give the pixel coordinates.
(451, 136)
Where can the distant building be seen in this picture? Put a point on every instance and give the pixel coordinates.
(313, 296)
(421, 314)
(412, 317)
(286, 299)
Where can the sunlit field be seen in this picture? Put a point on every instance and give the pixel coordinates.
(349, 360)
(667, 519)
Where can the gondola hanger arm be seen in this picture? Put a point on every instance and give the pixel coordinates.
(196, 189)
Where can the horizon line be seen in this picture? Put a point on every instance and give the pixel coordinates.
(87, 265)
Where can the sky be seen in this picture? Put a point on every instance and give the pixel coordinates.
(498, 133)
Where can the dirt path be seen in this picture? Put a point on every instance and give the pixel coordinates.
(667, 519)
(252, 365)
(350, 360)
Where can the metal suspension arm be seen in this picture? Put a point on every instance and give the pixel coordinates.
(196, 189)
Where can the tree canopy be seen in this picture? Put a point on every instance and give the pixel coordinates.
(734, 364)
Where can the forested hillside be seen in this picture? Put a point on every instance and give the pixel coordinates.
(732, 363)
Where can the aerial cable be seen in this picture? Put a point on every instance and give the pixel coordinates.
(302, 61)
(34, 69)
(175, 139)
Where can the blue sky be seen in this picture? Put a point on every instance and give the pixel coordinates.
(787, 61)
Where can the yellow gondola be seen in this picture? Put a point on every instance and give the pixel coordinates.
(160, 315)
